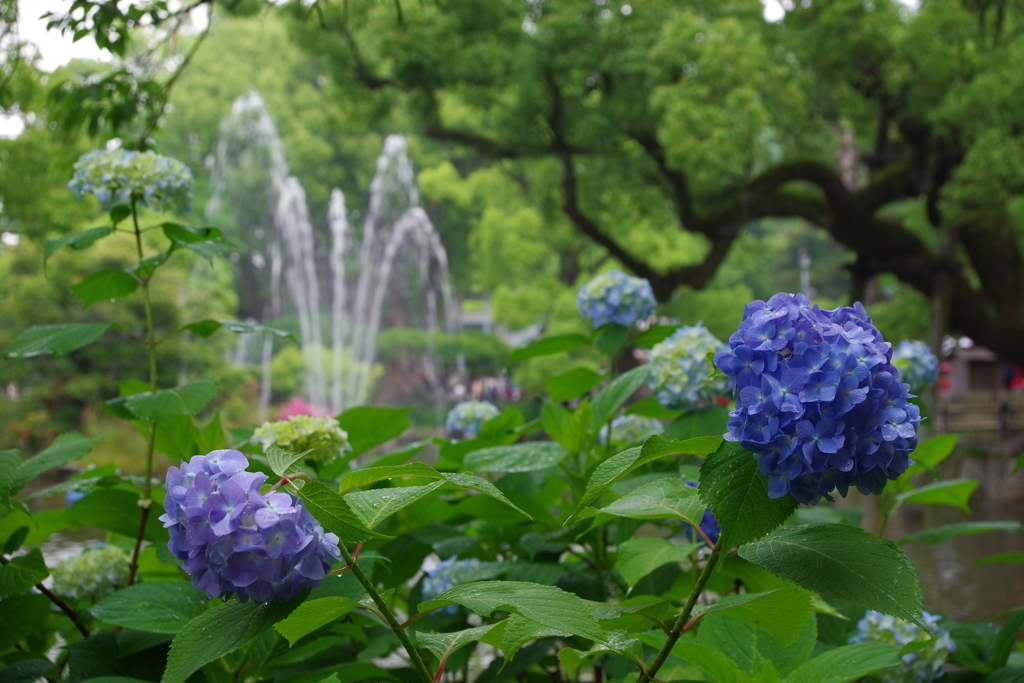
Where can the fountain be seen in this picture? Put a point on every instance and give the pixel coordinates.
(395, 261)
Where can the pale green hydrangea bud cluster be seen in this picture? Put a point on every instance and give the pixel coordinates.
(95, 573)
(630, 429)
(921, 666)
(117, 175)
(680, 369)
(300, 433)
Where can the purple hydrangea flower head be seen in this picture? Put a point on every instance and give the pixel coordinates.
(708, 523)
(615, 297)
(819, 402)
(231, 538)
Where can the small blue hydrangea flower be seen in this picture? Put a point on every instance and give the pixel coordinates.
(615, 297)
(819, 405)
(708, 523)
(679, 369)
(921, 666)
(442, 578)
(917, 364)
(95, 573)
(467, 417)
(115, 176)
(631, 429)
(231, 538)
(73, 496)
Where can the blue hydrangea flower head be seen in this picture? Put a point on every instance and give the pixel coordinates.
(231, 538)
(917, 364)
(115, 176)
(631, 429)
(442, 578)
(921, 666)
(467, 417)
(679, 369)
(323, 436)
(708, 523)
(95, 573)
(615, 297)
(820, 404)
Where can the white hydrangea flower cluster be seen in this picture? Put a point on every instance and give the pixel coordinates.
(467, 417)
(115, 176)
(917, 364)
(631, 429)
(299, 433)
(95, 573)
(921, 666)
(680, 369)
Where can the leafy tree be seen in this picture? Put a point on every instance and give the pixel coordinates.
(896, 130)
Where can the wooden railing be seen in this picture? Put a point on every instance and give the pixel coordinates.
(989, 413)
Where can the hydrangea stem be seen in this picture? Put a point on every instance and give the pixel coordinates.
(684, 617)
(74, 616)
(146, 501)
(389, 616)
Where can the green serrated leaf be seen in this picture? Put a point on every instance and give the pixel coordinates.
(220, 631)
(649, 407)
(707, 422)
(442, 645)
(206, 242)
(104, 286)
(117, 510)
(468, 481)
(23, 572)
(667, 498)
(64, 449)
(846, 663)
(331, 510)
(532, 456)
(205, 328)
(516, 631)
(22, 616)
(548, 606)
(1001, 558)
(156, 406)
(313, 614)
(840, 561)
(571, 384)
(610, 338)
(58, 340)
(948, 531)
(781, 613)
(283, 462)
(618, 391)
(713, 663)
(15, 540)
(952, 492)
(371, 475)
(369, 426)
(621, 464)
(376, 505)
(155, 606)
(641, 556)
(750, 647)
(737, 493)
(549, 346)
(78, 241)
(572, 658)
(654, 334)
(119, 213)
